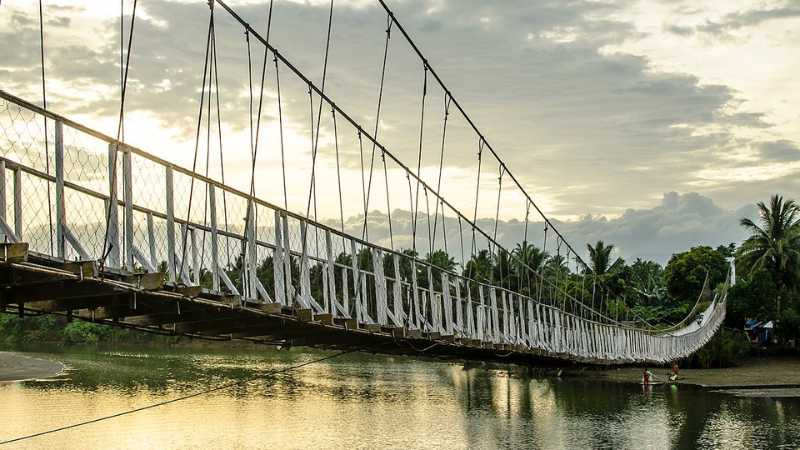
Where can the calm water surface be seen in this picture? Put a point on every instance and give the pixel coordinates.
(363, 401)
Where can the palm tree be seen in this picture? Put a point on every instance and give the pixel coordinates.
(479, 268)
(774, 245)
(601, 267)
(600, 259)
(528, 257)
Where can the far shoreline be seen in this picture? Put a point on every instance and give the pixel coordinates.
(774, 372)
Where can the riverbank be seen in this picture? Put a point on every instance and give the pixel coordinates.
(19, 367)
(754, 373)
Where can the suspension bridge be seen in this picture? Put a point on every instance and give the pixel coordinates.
(97, 229)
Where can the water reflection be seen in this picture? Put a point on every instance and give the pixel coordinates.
(365, 401)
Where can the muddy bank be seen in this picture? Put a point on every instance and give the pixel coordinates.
(17, 366)
(778, 375)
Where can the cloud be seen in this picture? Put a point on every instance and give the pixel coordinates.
(725, 26)
(586, 130)
(679, 222)
(783, 150)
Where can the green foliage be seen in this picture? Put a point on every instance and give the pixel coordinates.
(685, 272)
(80, 332)
(16, 330)
(769, 267)
(774, 245)
(752, 297)
(646, 283)
(725, 349)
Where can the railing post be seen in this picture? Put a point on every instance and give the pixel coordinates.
(252, 255)
(447, 304)
(330, 304)
(397, 292)
(60, 210)
(195, 260)
(278, 262)
(305, 276)
(506, 316)
(18, 202)
(470, 319)
(380, 285)
(212, 206)
(431, 299)
(345, 293)
(481, 325)
(127, 196)
(112, 245)
(459, 323)
(151, 240)
(170, 206)
(357, 281)
(417, 314)
(495, 315)
(287, 260)
(3, 190)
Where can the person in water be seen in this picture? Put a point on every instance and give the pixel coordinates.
(647, 377)
(674, 375)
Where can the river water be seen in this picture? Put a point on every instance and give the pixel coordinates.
(366, 401)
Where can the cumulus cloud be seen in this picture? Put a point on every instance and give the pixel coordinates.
(679, 222)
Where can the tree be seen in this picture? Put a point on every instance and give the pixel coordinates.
(685, 272)
(774, 245)
(439, 259)
(600, 259)
(528, 258)
(503, 272)
(479, 267)
(603, 271)
(646, 285)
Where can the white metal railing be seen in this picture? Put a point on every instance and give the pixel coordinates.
(156, 226)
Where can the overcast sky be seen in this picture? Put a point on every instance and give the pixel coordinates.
(651, 124)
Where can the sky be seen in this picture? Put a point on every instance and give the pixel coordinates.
(653, 125)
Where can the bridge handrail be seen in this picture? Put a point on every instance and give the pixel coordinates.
(122, 147)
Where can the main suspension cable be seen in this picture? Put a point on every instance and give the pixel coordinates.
(389, 23)
(312, 189)
(46, 145)
(113, 162)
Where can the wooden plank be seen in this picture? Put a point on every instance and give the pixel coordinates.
(349, 324)
(271, 308)
(188, 291)
(304, 314)
(151, 281)
(14, 251)
(325, 318)
(84, 269)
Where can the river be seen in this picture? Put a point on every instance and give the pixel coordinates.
(367, 401)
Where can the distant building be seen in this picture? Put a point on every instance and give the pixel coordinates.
(760, 332)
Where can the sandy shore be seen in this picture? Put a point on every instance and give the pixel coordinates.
(752, 374)
(17, 366)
